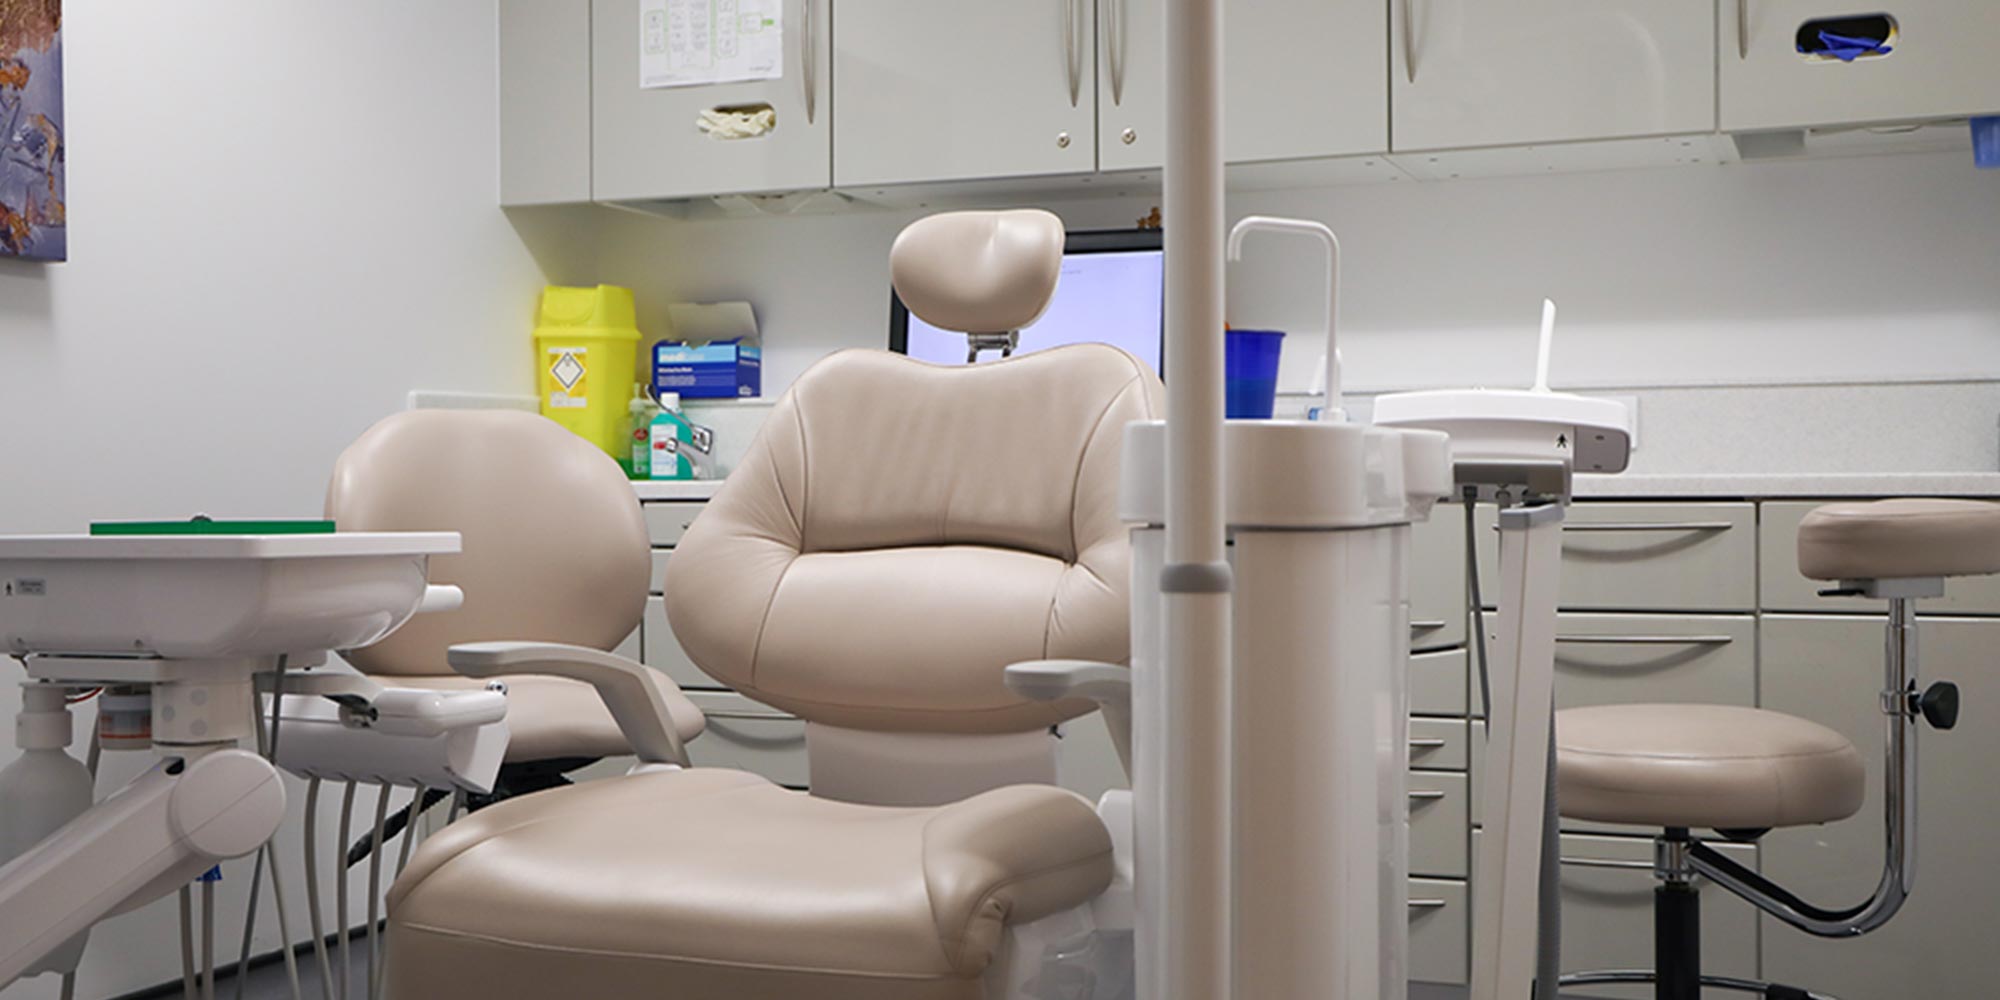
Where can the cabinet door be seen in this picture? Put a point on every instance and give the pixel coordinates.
(647, 144)
(544, 101)
(1300, 80)
(939, 90)
(1829, 669)
(1941, 64)
(1505, 72)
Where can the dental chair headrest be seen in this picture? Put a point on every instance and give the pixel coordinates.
(978, 272)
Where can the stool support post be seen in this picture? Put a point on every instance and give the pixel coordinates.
(1677, 941)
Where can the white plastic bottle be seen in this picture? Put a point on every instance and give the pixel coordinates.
(41, 790)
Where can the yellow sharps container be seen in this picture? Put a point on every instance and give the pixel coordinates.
(586, 341)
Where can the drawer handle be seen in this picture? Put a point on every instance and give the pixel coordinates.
(1648, 640)
(1426, 626)
(1428, 904)
(1649, 527)
(1426, 794)
(1637, 866)
(1427, 743)
(749, 715)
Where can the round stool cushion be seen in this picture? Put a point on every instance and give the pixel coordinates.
(1891, 539)
(1707, 766)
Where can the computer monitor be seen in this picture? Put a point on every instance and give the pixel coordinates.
(1112, 291)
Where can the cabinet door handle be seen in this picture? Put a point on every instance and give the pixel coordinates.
(1114, 46)
(1630, 526)
(1410, 40)
(1071, 71)
(1427, 904)
(1426, 794)
(1426, 626)
(808, 62)
(1648, 640)
(1637, 866)
(1742, 29)
(1426, 743)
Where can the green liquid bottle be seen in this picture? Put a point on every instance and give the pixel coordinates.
(671, 441)
(637, 462)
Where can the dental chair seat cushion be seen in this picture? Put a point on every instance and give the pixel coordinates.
(553, 717)
(1891, 539)
(1703, 766)
(712, 883)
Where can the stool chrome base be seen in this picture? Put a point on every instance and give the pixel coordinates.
(1771, 991)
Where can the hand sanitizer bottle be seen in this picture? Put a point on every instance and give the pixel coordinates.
(671, 441)
(639, 434)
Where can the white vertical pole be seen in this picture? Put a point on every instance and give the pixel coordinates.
(1195, 581)
(1506, 880)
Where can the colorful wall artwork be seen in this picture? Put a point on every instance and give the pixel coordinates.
(33, 205)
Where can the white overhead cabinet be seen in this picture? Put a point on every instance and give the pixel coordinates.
(1467, 73)
(1303, 78)
(647, 140)
(944, 90)
(1933, 59)
(544, 101)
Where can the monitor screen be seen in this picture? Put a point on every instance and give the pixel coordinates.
(1111, 291)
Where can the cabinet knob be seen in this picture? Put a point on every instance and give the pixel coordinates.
(1128, 136)
(1062, 140)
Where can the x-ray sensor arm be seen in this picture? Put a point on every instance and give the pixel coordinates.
(1306, 227)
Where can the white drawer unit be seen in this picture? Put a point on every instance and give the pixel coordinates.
(1828, 669)
(661, 651)
(1646, 557)
(1622, 659)
(1440, 744)
(1783, 588)
(1439, 818)
(749, 736)
(1437, 579)
(1941, 62)
(667, 522)
(1440, 931)
(1477, 73)
(1437, 683)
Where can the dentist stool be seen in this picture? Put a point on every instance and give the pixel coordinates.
(1743, 771)
(896, 536)
(555, 550)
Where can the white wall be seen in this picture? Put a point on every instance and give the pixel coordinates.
(1873, 268)
(282, 219)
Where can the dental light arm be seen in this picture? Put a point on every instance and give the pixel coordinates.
(626, 687)
(1107, 684)
(1306, 227)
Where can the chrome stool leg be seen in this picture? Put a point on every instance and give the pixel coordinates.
(1771, 991)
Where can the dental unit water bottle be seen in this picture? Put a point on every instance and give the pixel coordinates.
(41, 791)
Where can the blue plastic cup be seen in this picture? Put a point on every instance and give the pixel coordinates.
(1250, 373)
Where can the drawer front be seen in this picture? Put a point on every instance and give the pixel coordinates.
(1607, 914)
(1437, 579)
(659, 651)
(748, 736)
(1646, 557)
(1086, 761)
(667, 521)
(1626, 659)
(1475, 735)
(1783, 588)
(1440, 931)
(656, 583)
(1437, 683)
(631, 648)
(1438, 821)
(1440, 744)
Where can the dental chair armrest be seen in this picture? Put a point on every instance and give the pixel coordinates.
(1107, 684)
(627, 688)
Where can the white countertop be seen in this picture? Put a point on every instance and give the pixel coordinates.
(675, 489)
(1792, 484)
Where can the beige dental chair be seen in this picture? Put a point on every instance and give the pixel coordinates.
(897, 535)
(555, 550)
(1744, 771)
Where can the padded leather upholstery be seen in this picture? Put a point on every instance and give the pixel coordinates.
(1890, 539)
(899, 532)
(1707, 766)
(978, 272)
(555, 550)
(716, 884)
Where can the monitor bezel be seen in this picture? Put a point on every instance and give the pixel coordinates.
(1084, 241)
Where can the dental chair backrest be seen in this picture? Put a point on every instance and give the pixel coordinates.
(555, 547)
(900, 532)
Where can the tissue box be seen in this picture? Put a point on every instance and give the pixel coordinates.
(719, 369)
